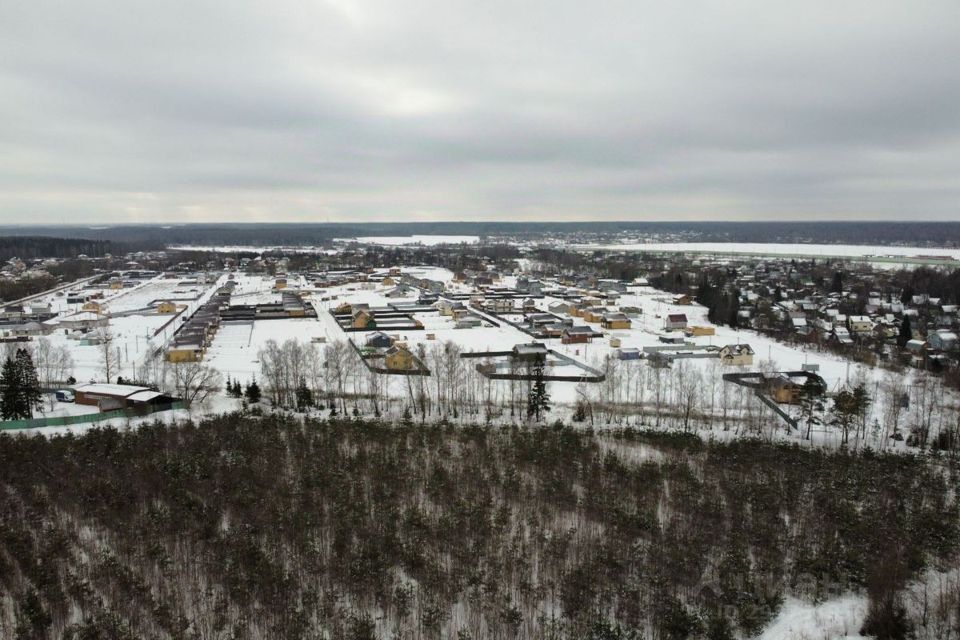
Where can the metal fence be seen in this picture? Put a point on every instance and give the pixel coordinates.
(61, 421)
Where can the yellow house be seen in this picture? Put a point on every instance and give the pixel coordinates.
(399, 358)
(388, 282)
(166, 307)
(116, 284)
(593, 314)
(280, 283)
(363, 319)
(93, 306)
(615, 321)
(185, 353)
(699, 330)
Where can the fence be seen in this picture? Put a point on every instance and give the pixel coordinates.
(62, 421)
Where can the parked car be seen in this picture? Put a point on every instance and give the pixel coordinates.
(64, 395)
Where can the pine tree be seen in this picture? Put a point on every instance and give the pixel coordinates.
(538, 402)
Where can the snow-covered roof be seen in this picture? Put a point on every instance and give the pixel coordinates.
(144, 396)
(119, 390)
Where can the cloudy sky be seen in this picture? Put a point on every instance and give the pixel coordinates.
(351, 110)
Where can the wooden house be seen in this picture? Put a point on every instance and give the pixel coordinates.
(362, 319)
(736, 355)
(399, 358)
(615, 321)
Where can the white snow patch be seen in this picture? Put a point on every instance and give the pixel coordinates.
(837, 618)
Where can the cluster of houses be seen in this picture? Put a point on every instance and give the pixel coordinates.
(195, 335)
(931, 326)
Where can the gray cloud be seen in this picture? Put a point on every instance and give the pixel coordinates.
(425, 109)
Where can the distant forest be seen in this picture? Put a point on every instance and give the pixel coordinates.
(41, 246)
(933, 234)
(243, 526)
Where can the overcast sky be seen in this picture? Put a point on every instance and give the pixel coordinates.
(406, 110)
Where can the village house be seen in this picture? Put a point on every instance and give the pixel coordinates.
(166, 306)
(529, 352)
(628, 353)
(379, 340)
(594, 314)
(942, 340)
(576, 335)
(399, 358)
(468, 321)
(736, 355)
(675, 321)
(93, 307)
(362, 319)
(499, 305)
(185, 351)
(558, 307)
(615, 321)
(784, 390)
(860, 324)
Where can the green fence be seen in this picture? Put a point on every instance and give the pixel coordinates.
(62, 421)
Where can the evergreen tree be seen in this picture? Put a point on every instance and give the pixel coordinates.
(906, 332)
(304, 396)
(253, 392)
(837, 282)
(21, 387)
(10, 382)
(538, 402)
(29, 382)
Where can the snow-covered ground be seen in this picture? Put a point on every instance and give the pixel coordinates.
(829, 620)
(775, 249)
(426, 240)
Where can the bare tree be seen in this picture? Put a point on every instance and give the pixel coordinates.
(195, 381)
(108, 356)
(689, 381)
(53, 361)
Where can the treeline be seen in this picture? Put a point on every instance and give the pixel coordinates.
(937, 283)
(245, 526)
(934, 234)
(33, 247)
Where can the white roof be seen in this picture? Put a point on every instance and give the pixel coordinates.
(144, 396)
(120, 390)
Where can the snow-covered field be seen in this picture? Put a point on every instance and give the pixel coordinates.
(774, 249)
(426, 240)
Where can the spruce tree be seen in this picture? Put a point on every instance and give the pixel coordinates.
(539, 401)
(253, 392)
(10, 383)
(30, 394)
(304, 396)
